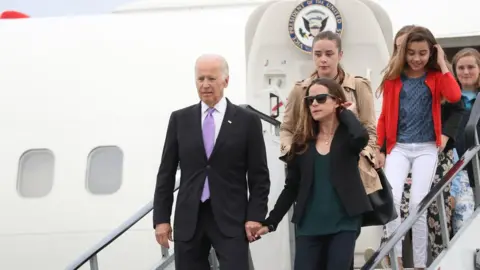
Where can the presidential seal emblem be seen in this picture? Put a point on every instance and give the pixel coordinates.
(310, 18)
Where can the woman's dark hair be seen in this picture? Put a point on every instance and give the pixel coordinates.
(307, 128)
(404, 30)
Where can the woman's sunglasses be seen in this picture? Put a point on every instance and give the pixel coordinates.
(321, 98)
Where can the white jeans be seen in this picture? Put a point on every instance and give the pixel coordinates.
(421, 160)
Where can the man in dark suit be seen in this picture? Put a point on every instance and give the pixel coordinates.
(218, 145)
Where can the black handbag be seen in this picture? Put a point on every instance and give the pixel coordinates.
(382, 203)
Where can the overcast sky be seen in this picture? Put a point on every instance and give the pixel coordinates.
(46, 8)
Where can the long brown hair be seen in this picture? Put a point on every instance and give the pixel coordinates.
(464, 53)
(398, 63)
(307, 128)
(404, 30)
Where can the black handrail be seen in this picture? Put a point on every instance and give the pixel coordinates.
(471, 135)
(262, 116)
(407, 224)
(120, 230)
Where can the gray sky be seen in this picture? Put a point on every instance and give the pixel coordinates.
(46, 8)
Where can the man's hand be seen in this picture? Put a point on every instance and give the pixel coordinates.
(380, 159)
(251, 228)
(163, 233)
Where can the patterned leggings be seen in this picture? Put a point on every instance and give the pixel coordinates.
(445, 163)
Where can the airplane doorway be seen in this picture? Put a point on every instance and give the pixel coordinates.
(450, 52)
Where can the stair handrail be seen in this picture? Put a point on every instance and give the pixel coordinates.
(413, 216)
(90, 255)
(262, 116)
(471, 138)
(436, 193)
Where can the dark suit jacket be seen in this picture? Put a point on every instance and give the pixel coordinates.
(239, 151)
(349, 140)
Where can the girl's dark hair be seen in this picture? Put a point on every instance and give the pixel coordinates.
(404, 30)
(398, 62)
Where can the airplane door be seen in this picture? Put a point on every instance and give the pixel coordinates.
(280, 55)
(384, 22)
(251, 26)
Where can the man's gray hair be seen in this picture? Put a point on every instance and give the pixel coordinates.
(225, 68)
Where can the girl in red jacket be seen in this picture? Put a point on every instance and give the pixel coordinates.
(409, 130)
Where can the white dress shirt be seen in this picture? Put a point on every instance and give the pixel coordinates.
(218, 114)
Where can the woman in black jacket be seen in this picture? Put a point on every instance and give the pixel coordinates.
(324, 181)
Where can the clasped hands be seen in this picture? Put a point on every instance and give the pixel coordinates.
(163, 232)
(254, 230)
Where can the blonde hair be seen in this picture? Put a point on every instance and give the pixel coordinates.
(464, 53)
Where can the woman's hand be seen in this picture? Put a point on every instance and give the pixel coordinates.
(262, 231)
(444, 143)
(349, 106)
(380, 159)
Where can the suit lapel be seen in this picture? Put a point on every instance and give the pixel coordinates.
(197, 127)
(226, 127)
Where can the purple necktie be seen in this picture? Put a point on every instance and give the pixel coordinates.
(208, 141)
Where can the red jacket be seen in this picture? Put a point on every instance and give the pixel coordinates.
(441, 86)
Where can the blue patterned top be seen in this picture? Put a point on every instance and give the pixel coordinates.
(415, 119)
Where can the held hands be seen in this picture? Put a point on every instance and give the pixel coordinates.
(251, 228)
(262, 231)
(163, 233)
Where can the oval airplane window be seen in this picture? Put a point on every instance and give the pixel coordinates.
(104, 170)
(35, 173)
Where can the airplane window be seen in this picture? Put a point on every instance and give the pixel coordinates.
(104, 170)
(35, 173)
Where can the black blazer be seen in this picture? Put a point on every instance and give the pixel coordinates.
(239, 152)
(452, 118)
(349, 140)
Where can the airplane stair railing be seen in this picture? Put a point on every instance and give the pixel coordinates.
(91, 256)
(471, 139)
(274, 122)
(436, 194)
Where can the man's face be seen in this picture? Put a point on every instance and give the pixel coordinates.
(210, 80)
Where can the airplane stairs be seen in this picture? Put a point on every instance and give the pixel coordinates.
(462, 252)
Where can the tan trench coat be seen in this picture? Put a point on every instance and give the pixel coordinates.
(365, 111)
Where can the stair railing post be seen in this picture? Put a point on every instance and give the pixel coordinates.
(94, 262)
(443, 220)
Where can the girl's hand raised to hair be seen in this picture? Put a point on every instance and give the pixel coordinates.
(440, 55)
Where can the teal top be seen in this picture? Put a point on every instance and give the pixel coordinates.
(325, 213)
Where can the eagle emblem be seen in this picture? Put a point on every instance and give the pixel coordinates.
(313, 26)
